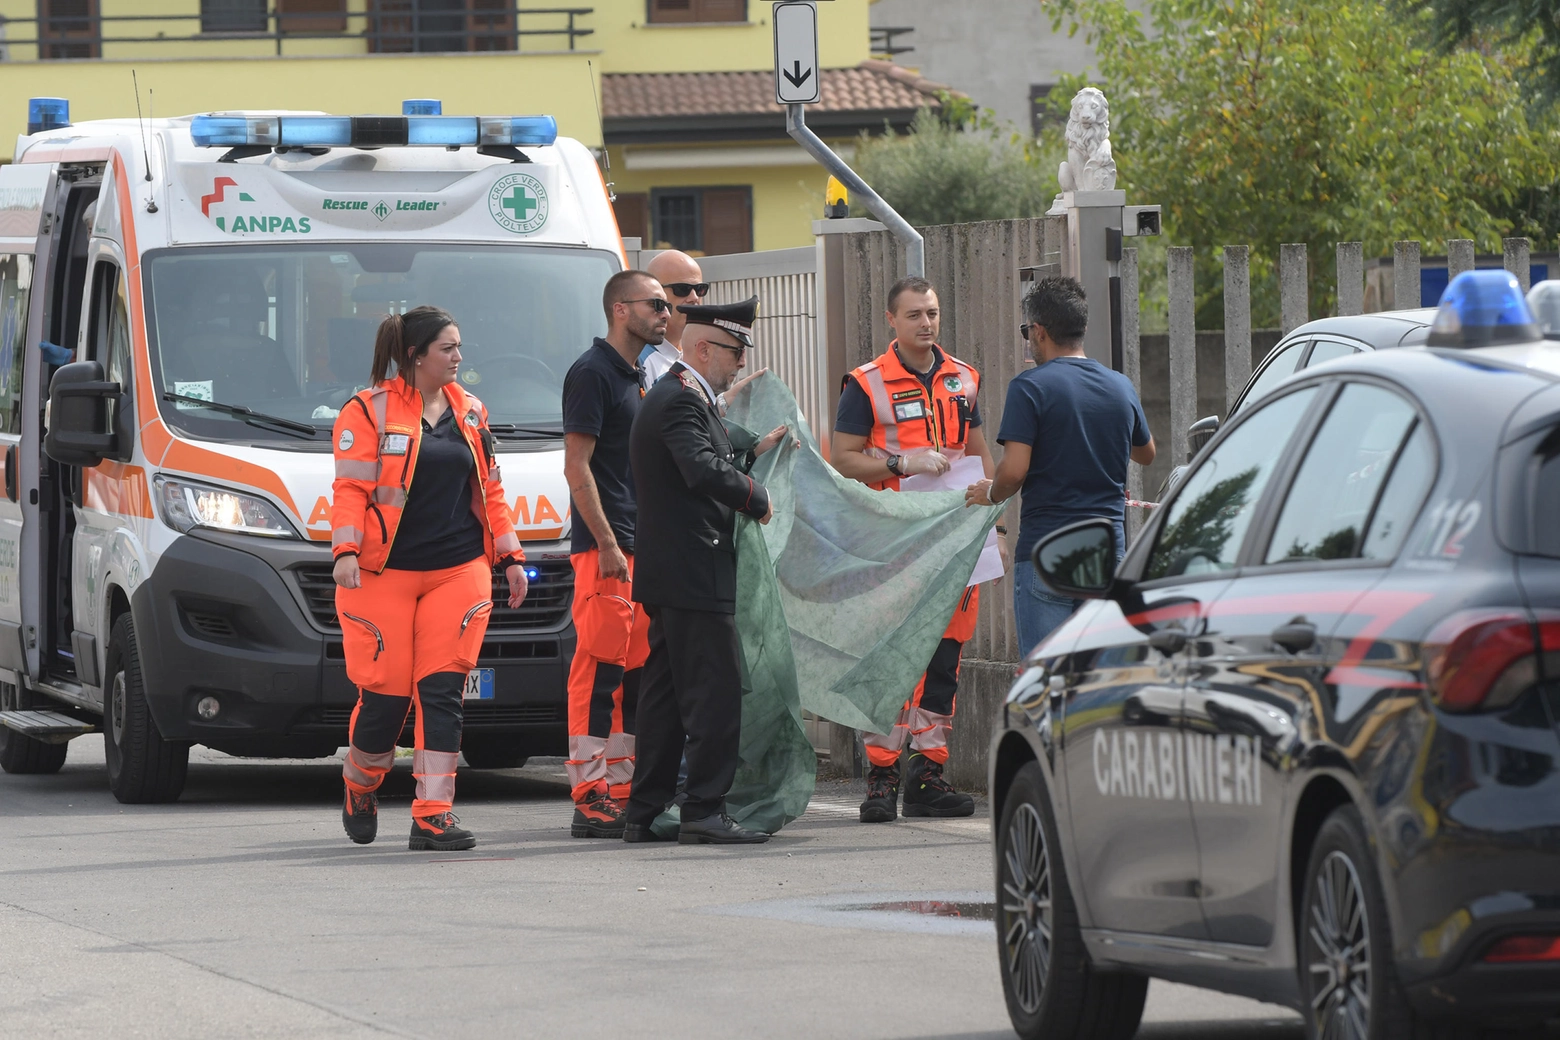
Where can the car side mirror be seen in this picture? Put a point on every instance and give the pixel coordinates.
(78, 433)
(1200, 433)
(1079, 560)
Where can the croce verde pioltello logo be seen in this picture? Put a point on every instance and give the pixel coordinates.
(518, 203)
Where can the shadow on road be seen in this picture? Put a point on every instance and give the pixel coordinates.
(1176, 1031)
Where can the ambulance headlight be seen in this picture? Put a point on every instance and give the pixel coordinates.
(186, 506)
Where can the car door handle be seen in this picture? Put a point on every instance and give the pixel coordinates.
(1168, 641)
(1296, 636)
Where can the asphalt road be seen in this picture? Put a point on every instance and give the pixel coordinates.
(243, 911)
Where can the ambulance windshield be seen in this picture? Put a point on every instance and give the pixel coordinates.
(288, 332)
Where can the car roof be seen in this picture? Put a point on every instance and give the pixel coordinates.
(1380, 330)
(1486, 380)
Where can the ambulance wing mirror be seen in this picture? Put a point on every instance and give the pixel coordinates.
(1079, 560)
(78, 428)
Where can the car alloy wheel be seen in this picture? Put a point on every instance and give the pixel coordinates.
(1338, 951)
(1026, 907)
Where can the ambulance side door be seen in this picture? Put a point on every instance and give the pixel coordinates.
(114, 496)
(16, 276)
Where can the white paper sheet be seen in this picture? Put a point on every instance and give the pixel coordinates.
(964, 472)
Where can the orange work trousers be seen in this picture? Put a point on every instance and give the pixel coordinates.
(926, 720)
(410, 638)
(613, 643)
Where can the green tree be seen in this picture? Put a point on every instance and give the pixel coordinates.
(1532, 26)
(1268, 121)
(957, 166)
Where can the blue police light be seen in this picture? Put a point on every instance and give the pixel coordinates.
(531, 574)
(1482, 309)
(47, 113)
(424, 131)
(422, 107)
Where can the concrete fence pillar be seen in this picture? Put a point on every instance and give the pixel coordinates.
(1519, 252)
(1351, 278)
(1132, 360)
(1294, 305)
(1183, 348)
(1405, 276)
(1237, 322)
(1459, 256)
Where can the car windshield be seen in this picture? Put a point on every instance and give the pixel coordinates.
(288, 333)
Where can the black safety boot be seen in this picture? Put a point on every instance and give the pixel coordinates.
(598, 816)
(360, 816)
(882, 804)
(439, 833)
(928, 794)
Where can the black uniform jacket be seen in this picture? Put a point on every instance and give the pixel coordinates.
(690, 484)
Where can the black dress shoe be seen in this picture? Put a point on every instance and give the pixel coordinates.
(636, 832)
(718, 829)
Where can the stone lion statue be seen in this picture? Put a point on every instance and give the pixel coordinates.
(1089, 166)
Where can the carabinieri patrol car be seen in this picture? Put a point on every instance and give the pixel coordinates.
(1302, 744)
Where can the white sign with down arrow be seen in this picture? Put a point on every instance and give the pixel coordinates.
(796, 52)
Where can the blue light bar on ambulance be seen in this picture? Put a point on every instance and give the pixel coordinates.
(47, 113)
(1482, 309)
(372, 131)
(422, 107)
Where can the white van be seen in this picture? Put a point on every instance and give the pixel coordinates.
(165, 568)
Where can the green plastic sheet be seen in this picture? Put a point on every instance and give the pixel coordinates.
(842, 599)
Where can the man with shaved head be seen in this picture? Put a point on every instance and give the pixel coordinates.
(684, 282)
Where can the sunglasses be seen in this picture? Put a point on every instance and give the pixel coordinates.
(1023, 330)
(657, 304)
(740, 349)
(681, 289)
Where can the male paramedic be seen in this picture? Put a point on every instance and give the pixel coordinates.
(912, 411)
(601, 396)
(680, 276)
(1068, 429)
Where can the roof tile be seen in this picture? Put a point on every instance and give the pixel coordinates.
(871, 86)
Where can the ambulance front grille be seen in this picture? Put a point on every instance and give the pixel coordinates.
(546, 604)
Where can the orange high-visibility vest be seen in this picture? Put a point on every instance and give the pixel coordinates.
(905, 418)
(377, 436)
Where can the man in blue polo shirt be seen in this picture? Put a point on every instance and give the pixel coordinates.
(1068, 428)
(601, 396)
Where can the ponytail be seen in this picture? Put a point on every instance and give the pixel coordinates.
(402, 338)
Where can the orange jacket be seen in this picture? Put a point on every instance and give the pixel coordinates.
(377, 437)
(904, 419)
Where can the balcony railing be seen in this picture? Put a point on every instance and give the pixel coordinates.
(386, 27)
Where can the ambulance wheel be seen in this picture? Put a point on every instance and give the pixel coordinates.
(23, 754)
(493, 752)
(142, 766)
(1053, 992)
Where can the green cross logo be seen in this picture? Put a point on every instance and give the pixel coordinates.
(518, 203)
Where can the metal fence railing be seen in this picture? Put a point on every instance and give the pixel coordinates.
(386, 27)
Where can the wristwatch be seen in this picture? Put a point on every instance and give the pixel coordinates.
(893, 465)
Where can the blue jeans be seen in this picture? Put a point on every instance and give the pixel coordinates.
(1037, 610)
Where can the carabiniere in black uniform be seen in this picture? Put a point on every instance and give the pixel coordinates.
(690, 483)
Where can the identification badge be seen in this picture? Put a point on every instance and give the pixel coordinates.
(909, 410)
(396, 444)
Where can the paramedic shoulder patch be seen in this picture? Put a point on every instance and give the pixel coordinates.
(344, 442)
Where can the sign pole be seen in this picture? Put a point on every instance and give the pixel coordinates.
(797, 85)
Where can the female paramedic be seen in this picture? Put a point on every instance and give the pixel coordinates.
(418, 523)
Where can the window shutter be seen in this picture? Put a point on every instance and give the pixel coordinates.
(633, 217)
(721, 10)
(68, 28)
(672, 11)
(728, 221)
(316, 16)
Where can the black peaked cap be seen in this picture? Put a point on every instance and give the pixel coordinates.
(735, 318)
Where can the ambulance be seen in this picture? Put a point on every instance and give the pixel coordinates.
(165, 566)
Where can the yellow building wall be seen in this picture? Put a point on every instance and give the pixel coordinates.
(628, 44)
(786, 199)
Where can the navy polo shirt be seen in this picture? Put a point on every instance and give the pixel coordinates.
(1081, 421)
(601, 396)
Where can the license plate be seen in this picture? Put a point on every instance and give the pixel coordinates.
(479, 685)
